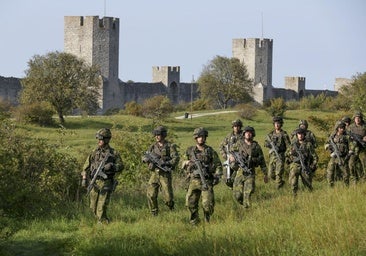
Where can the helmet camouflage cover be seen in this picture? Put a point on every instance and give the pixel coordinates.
(237, 122)
(103, 133)
(304, 123)
(200, 132)
(160, 130)
(278, 119)
(249, 129)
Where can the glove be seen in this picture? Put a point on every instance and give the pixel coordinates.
(108, 167)
(350, 153)
(83, 183)
(333, 155)
(145, 159)
(161, 162)
(151, 166)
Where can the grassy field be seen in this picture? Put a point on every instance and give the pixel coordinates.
(324, 222)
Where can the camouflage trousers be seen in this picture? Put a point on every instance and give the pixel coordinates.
(160, 182)
(295, 174)
(276, 169)
(357, 166)
(243, 188)
(100, 198)
(193, 197)
(336, 171)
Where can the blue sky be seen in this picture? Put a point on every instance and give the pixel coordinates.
(317, 39)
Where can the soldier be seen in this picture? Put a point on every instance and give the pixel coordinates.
(277, 141)
(105, 182)
(347, 120)
(249, 157)
(357, 161)
(163, 158)
(303, 161)
(229, 144)
(204, 169)
(309, 135)
(338, 145)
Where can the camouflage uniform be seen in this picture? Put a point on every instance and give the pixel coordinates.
(230, 143)
(244, 183)
(310, 158)
(103, 188)
(309, 135)
(211, 170)
(357, 161)
(341, 141)
(168, 157)
(281, 141)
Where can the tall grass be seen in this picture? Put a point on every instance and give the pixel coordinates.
(327, 221)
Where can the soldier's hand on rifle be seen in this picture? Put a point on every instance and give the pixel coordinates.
(265, 178)
(231, 159)
(145, 159)
(333, 155)
(108, 167)
(216, 179)
(83, 182)
(350, 153)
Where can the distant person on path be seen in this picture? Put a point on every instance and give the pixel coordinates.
(309, 135)
(204, 169)
(230, 144)
(105, 182)
(338, 146)
(277, 141)
(250, 156)
(357, 161)
(162, 158)
(303, 160)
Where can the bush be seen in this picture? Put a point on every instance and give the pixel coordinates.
(39, 113)
(133, 108)
(35, 180)
(246, 111)
(277, 107)
(157, 108)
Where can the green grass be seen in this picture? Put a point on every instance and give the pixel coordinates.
(324, 222)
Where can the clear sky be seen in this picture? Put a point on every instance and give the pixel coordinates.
(316, 39)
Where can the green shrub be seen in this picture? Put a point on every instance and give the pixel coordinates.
(277, 107)
(246, 111)
(133, 108)
(39, 113)
(157, 108)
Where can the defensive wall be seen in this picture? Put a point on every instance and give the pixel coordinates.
(96, 41)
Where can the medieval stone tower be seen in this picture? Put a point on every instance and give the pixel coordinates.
(256, 54)
(96, 41)
(170, 77)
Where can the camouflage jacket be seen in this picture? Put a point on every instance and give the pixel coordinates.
(358, 130)
(96, 157)
(280, 140)
(341, 142)
(231, 141)
(309, 137)
(168, 153)
(253, 154)
(208, 158)
(307, 152)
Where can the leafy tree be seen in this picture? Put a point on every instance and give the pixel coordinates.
(355, 93)
(225, 79)
(277, 107)
(157, 108)
(62, 80)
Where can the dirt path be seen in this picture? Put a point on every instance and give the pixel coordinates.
(206, 114)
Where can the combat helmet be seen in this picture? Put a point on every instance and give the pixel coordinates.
(340, 124)
(346, 119)
(278, 119)
(358, 114)
(300, 130)
(200, 132)
(304, 123)
(103, 134)
(160, 130)
(249, 129)
(237, 122)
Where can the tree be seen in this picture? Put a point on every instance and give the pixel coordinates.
(355, 92)
(225, 79)
(62, 80)
(157, 108)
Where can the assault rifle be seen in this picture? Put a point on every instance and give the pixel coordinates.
(154, 159)
(200, 172)
(304, 169)
(98, 172)
(273, 148)
(241, 162)
(335, 150)
(358, 139)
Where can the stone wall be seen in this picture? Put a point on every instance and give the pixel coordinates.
(9, 89)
